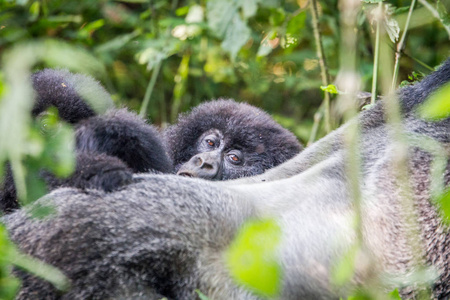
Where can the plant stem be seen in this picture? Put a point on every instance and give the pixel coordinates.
(400, 45)
(373, 97)
(149, 90)
(322, 63)
(435, 13)
(315, 127)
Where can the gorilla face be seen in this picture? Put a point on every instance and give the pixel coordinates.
(224, 139)
(216, 160)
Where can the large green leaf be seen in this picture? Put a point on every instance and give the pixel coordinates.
(252, 257)
(437, 107)
(236, 36)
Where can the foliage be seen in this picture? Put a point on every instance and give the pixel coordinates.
(251, 257)
(261, 52)
(177, 54)
(437, 107)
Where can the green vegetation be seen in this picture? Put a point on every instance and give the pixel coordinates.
(163, 57)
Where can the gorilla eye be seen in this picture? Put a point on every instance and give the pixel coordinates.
(210, 142)
(235, 157)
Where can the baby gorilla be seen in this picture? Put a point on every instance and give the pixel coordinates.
(224, 139)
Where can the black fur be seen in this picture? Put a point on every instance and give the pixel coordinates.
(263, 142)
(110, 147)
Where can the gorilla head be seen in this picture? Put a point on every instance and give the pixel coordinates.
(223, 139)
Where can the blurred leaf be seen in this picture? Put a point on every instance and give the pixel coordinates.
(16, 104)
(157, 51)
(344, 270)
(41, 211)
(296, 24)
(236, 36)
(10, 255)
(36, 267)
(437, 107)
(265, 48)
(277, 17)
(182, 11)
(180, 85)
(395, 295)
(87, 30)
(249, 7)
(390, 24)
(195, 14)
(302, 3)
(117, 43)
(252, 259)
(220, 14)
(34, 11)
(331, 88)
(201, 295)
(66, 19)
(225, 22)
(443, 202)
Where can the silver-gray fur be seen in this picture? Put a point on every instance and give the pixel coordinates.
(166, 235)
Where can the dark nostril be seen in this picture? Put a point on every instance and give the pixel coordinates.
(207, 166)
(185, 174)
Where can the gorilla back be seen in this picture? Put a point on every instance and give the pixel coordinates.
(166, 235)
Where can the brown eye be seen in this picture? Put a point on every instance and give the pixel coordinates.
(234, 157)
(210, 142)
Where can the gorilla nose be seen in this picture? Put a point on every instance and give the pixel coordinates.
(203, 165)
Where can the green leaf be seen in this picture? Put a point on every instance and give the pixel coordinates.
(395, 295)
(117, 42)
(87, 30)
(437, 107)
(296, 24)
(345, 268)
(34, 10)
(201, 295)
(249, 8)
(220, 13)
(331, 88)
(277, 17)
(236, 36)
(195, 14)
(265, 48)
(390, 24)
(251, 257)
(443, 202)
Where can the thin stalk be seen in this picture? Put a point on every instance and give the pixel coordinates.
(315, 127)
(400, 45)
(322, 63)
(18, 172)
(400, 162)
(149, 90)
(435, 13)
(376, 58)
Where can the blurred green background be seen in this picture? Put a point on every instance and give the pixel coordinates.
(262, 52)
